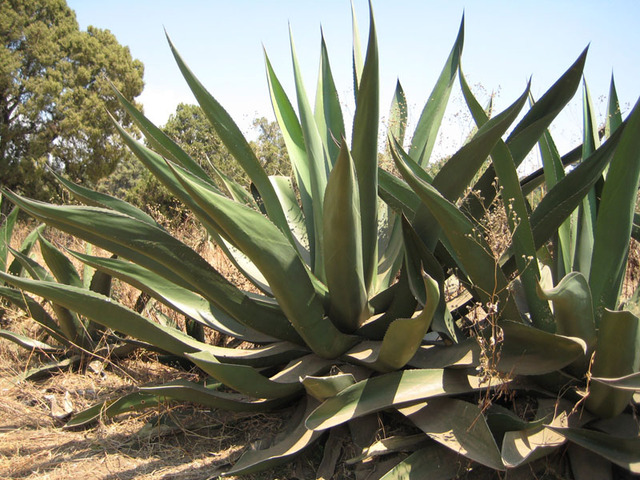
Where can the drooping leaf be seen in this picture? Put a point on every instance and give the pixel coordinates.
(434, 462)
(390, 390)
(299, 438)
(458, 425)
(621, 451)
(27, 342)
(628, 382)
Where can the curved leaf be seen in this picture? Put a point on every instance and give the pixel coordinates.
(457, 425)
(390, 390)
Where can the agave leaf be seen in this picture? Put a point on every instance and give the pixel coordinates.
(389, 445)
(480, 116)
(249, 381)
(318, 161)
(463, 354)
(155, 249)
(617, 355)
(621, 451)
(529, 351)
(16, 267)
(573, 308)
(127, 403)
(553, 173)
(358, 62)
(456, 174)
(59, 264)
(294, 443)
(328, 113)
(322, 388)
(615, 218)
(397, 194)
(585, 220)
(45, 370)
(472, 250)
(458, 425)
(522, 446)
(343, 246)
(434, 462)
(27, 342)
(404, 336)
(235, 142)
(278, 260)
(294, 141)
(180, 299)
(364, 150)
(398, 114)
(614, 116)
(237, 191)
(110, 314)
(209, 396)
(295, 216)
(6, 232)
(32, 267)
(390, 390)
(556, 206)
(160, 141)
(628, 382)
(529, 130)
(426, 131)
(35, 311)
(97, 199)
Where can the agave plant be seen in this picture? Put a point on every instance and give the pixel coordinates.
(349, 286)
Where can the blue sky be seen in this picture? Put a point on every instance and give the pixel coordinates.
(506, 42)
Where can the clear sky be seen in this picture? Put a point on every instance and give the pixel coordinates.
(506, 42)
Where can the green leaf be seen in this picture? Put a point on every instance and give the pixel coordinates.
(160, 141)
(628, 382)
(529, 130)
(390, 445)
(390, 390)
(251, 382)
(293, 444)
(318, 162)
(322, 388)
(180, 299)
(343, 246)
(153, 248)
(328, 113)
(614, 116)
(404, 336)
(16, 266)
(472, 250)
(59, 264)
(527, 350)
(27, 342)
(621, 451)
(426, 131)
(35, 311)
(615, 218)
(458, 425)
(558, 204)
(398, 115)
(573, 308)
(278, 260)
(434, 462)
(364, 150)
(235, 142)
(6, 232)
(209, 396)
(97, 199)
(358, 62)
(617, 355)
(294, 141)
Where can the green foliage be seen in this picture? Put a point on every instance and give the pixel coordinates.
(350, 286)
(54, 95)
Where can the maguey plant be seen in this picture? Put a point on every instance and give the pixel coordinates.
(352, 323)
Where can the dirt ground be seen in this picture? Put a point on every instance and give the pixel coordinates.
(165, 442)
